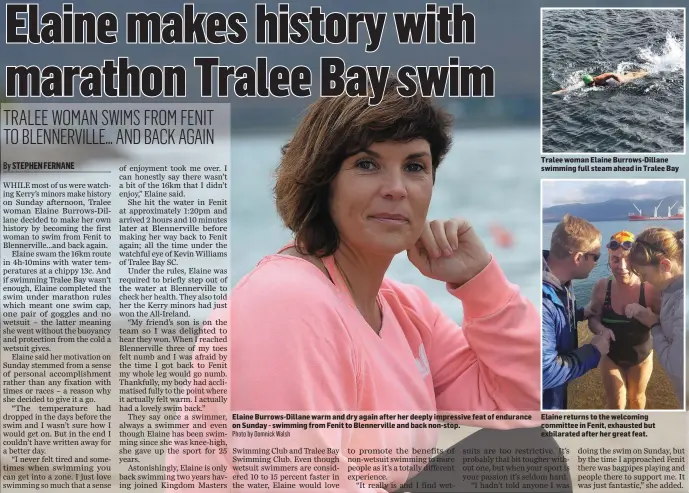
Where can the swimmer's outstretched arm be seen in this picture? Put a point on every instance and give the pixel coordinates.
(608, 75)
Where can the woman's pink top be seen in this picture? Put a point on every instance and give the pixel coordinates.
(299, 345)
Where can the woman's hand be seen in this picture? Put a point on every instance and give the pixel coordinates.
(641, 313)
(597, 328)
(449, 251)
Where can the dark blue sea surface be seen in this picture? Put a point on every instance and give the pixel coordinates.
(645, 115)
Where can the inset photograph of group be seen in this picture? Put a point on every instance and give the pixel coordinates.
(613, 80)
(613, 334)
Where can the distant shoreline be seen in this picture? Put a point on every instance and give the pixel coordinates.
(550, 221)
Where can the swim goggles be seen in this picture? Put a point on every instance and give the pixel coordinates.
(614, 245)
(623, 239)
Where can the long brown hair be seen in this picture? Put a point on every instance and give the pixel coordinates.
(655, 244)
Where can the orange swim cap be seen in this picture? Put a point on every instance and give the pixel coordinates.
(622, 236)
(623, 239)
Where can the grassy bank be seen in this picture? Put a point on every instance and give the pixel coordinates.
(587, 392)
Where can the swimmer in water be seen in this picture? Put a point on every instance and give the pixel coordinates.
(600, 80)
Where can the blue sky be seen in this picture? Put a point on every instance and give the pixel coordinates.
(559, 192)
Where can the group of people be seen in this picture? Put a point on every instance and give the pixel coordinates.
(636, 311)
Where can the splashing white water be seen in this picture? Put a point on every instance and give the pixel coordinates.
(669, 59)
(575, 85)
(573, 80)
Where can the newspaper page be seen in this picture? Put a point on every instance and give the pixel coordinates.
(421, 248)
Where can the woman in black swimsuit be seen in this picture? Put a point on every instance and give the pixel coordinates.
(627, 367)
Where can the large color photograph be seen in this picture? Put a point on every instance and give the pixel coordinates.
(613, 81)
(613, 294)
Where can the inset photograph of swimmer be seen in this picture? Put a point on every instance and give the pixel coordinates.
(613, 81)
(613, 294)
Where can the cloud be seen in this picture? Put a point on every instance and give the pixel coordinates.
(591, 192)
